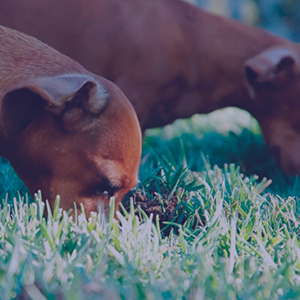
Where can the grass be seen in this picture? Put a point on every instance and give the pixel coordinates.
(200, 225)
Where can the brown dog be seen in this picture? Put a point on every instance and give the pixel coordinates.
(172, 60)
(64, 130)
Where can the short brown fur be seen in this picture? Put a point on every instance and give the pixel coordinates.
(172, 60)
(65, 130)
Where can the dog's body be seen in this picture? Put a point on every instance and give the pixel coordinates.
(64, 130)
(172, 60)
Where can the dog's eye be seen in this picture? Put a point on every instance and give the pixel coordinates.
(104, 188)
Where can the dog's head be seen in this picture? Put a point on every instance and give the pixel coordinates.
(273, 81)
(75, 136)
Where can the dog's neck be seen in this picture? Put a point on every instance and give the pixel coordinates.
(221, 46)
(217, 48)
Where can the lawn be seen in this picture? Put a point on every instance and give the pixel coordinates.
(212, 218)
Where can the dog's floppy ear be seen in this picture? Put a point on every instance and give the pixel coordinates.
(70, 98)
(275, 66)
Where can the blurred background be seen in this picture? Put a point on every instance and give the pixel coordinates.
(281, 17)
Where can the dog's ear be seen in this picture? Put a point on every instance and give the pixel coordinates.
(70, 98)
(275, 66)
